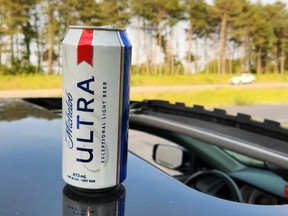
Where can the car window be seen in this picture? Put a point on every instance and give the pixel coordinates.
(141, 144)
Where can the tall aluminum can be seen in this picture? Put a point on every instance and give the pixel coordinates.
(96, 67)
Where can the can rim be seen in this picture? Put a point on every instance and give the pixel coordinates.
(106, 27)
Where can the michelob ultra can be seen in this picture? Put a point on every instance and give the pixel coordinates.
(96, 67)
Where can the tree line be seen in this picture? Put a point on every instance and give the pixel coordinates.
(225, 36)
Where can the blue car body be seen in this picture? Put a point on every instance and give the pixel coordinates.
(31, 182)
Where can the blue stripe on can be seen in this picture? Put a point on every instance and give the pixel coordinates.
(125, 105)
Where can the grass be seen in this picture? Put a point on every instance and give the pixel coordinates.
(198, 79)
(219, 97)
(168, 80)
(222, 96)
(37, 81)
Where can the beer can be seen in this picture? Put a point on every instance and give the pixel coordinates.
(96, 67)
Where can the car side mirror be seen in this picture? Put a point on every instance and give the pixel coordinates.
(168, 156)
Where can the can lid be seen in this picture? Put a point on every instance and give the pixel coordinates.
(106, 27)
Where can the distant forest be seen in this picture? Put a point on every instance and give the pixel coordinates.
(243, 36)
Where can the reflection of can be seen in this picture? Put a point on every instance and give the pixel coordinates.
(110, 203)
(96, 66)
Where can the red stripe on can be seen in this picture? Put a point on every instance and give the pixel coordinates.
(85, 48)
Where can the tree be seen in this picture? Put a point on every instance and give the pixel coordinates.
(114, 12)
(69, 13)
(262, 39)
(161, 16)
(52, 24)
(2, 30)
(37, 27)
(29, 31)
(199, 25)
(224, 12)
(259, 32)
(13, 14)
(244, 27)
(277, 19)
(87, 13)
(140, 10)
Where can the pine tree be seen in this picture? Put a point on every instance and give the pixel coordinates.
(12, 16)
(160, 16)
(224, 12)
(199, 25)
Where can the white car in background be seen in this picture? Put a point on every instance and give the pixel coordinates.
(245, 78)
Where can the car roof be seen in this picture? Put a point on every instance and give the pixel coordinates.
(31, 182)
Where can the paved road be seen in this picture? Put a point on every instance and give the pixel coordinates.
(277, 112)
(30, 93)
